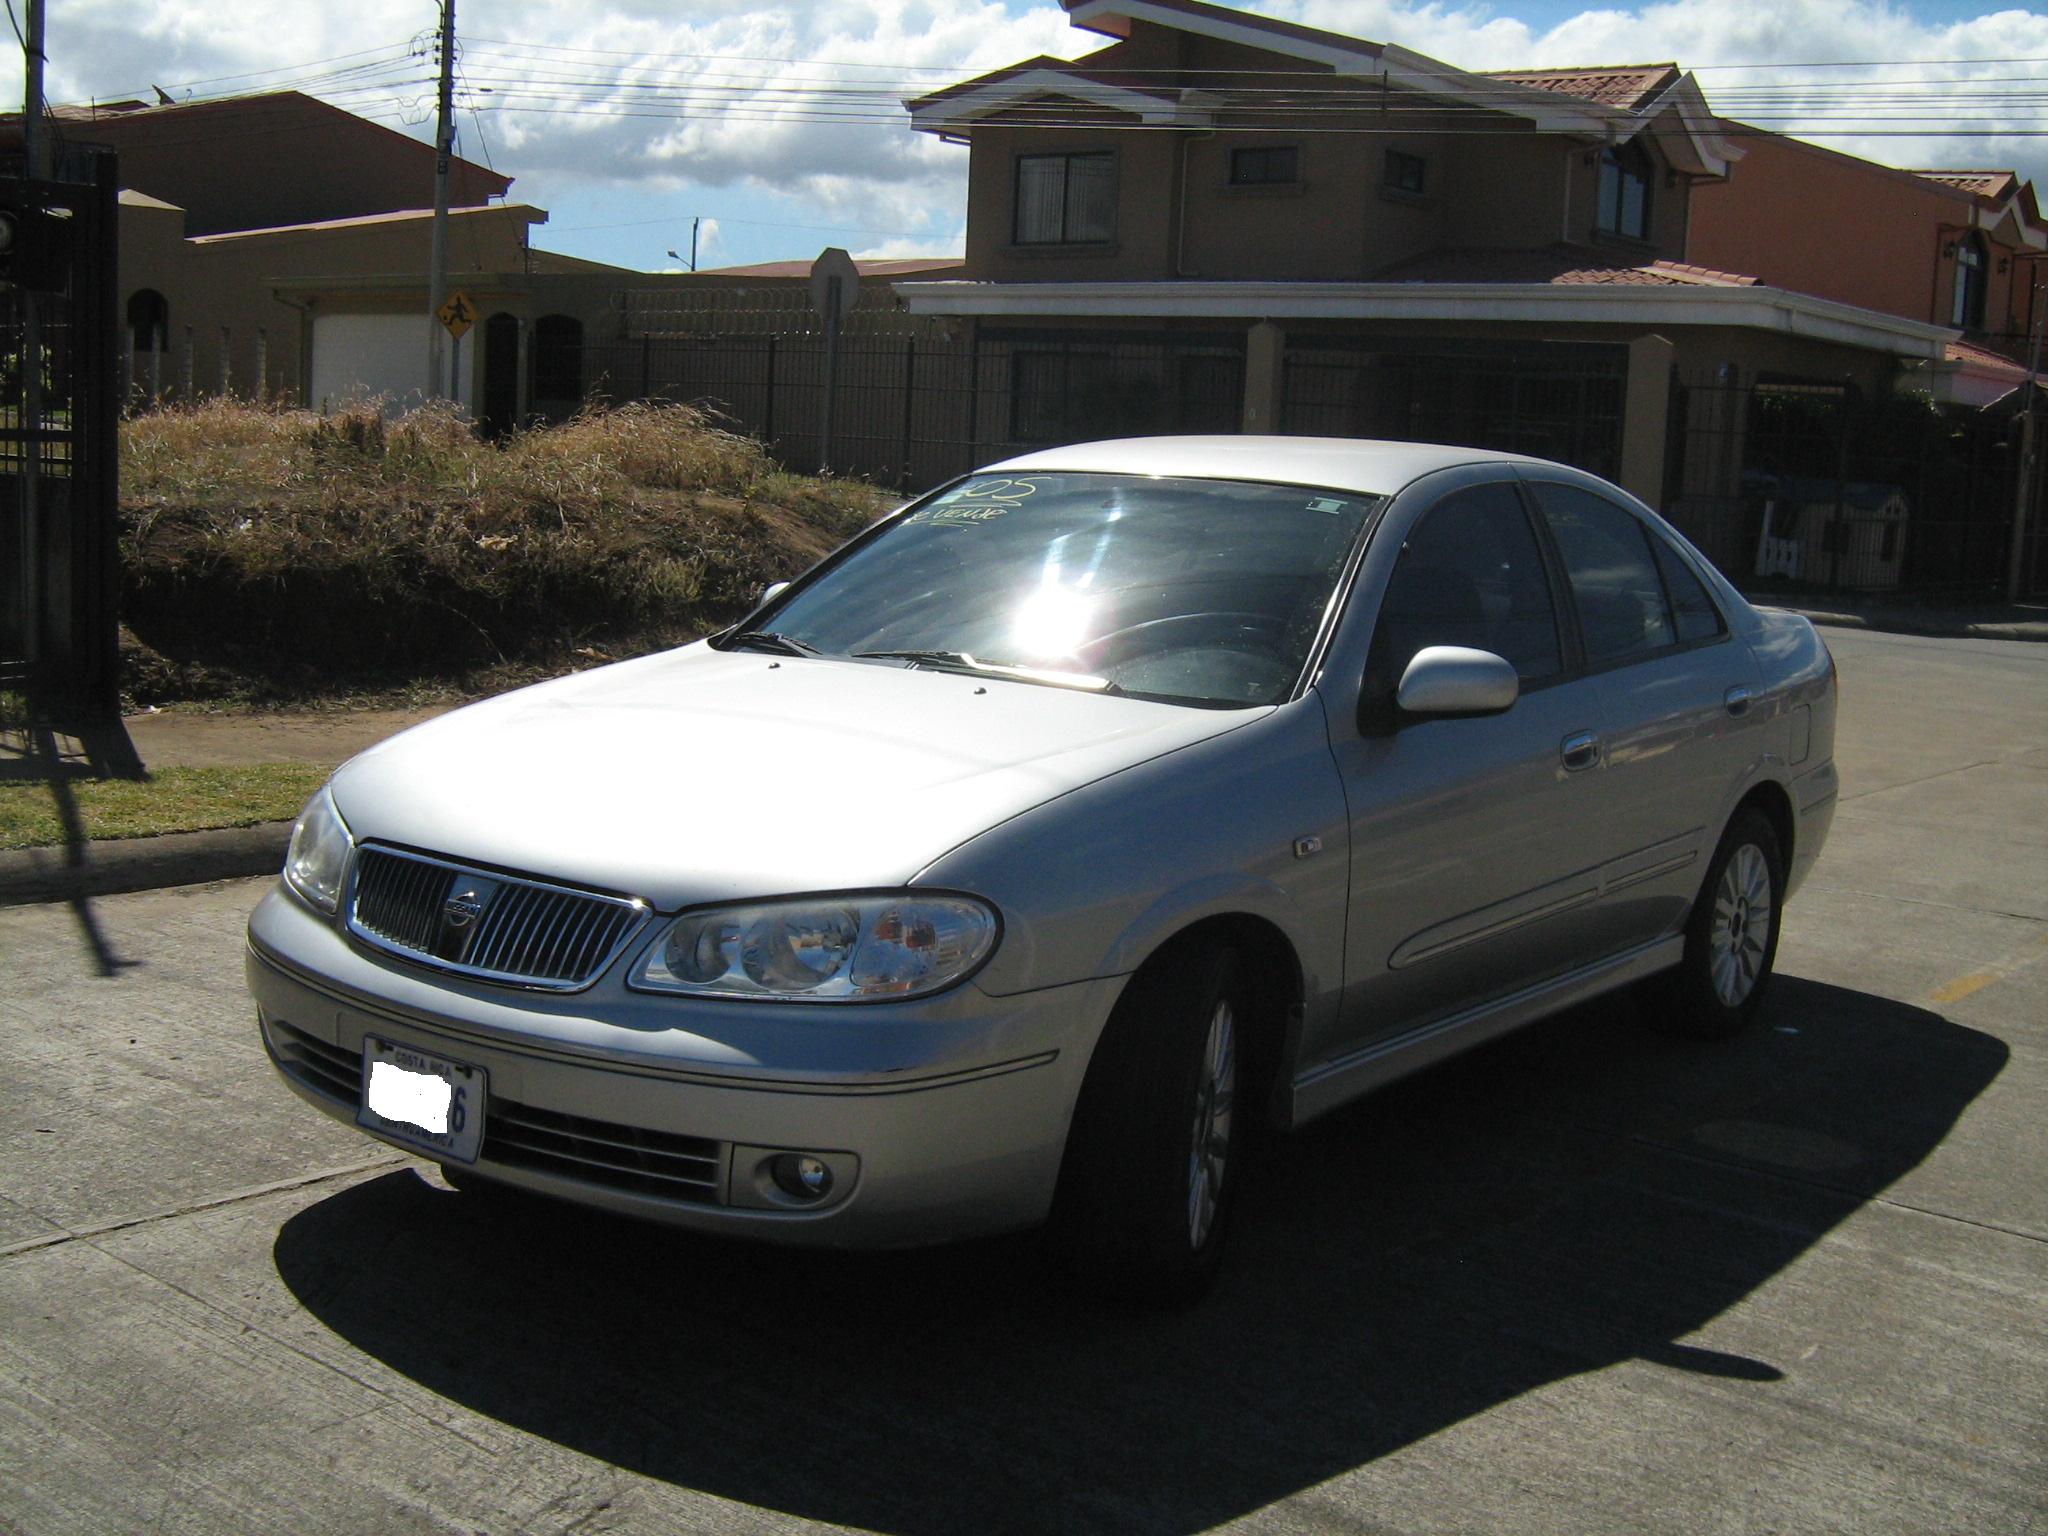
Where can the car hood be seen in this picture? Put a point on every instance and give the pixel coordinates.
(700, 775)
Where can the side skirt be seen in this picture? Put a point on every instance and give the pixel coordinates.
(1325, 1086)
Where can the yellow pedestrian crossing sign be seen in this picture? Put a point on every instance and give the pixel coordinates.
(458, 314)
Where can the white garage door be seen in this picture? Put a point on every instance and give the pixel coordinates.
(358, 356)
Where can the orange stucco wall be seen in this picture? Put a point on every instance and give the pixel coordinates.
(1807, 219)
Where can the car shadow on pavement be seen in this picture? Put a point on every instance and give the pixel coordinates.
(1582, 1194)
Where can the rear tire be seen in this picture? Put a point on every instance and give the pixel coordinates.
(1731, 939)
(1153, 1160)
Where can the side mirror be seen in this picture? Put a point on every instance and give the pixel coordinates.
(1455, 680)
(772, 591)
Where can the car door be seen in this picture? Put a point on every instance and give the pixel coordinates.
(1475, 842)
(1676, 725)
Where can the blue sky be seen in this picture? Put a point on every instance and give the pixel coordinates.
(541, 86)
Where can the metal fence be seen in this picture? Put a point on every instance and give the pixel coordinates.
(910, 403)
(58, 576)
(1558, 401)
(1821, 486)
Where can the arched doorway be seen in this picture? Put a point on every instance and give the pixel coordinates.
(501, 374)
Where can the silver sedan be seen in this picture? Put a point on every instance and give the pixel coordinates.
(1013, 864)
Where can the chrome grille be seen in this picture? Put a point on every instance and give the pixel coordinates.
(479, 923)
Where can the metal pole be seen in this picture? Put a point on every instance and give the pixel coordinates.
(34, 142)
(693, 241)
(831, 378)
(909, 400)
(444, 142)
(2023, 493)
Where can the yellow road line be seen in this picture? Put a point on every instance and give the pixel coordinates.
(1962, 987)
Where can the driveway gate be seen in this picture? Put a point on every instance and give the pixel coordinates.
(58, 424)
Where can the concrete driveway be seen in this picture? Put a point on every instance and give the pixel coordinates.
(1588, 1280)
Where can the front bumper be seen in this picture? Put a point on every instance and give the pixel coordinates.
(942, 1118)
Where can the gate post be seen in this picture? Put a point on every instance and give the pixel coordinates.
(1645, 418)
(1265, 361)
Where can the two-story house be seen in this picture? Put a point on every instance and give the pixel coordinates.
(1226, 221)
(1962, 248)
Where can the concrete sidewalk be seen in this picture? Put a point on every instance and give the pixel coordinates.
(1980, 621)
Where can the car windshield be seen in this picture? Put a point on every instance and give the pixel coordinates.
(1206, 592)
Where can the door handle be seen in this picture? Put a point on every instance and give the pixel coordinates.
(1580, 752)
(1736, 701)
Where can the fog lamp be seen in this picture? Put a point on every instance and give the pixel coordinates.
(802, 1177)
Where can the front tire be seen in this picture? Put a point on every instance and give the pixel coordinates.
(1731, 939)
(1152, 1165)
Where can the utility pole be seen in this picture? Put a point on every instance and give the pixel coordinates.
(2027, 476)
(34, 134)
(693, 241)
(444, 144)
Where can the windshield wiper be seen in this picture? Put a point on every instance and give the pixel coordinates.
(960, 661)
(773, 640)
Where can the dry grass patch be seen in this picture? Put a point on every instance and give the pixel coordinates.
(306, 553)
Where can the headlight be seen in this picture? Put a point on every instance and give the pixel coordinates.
(823, 948)
(318, 856)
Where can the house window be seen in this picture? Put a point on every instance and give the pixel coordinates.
(557, 358)
(1972, 260)
(149, 320)
(1405, 173)
(1066, 199)
(1274, 165)
(1625, 172)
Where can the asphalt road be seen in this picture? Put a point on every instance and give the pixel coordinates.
(1587, 1280)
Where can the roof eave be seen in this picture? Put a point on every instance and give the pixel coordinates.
(1759, 308)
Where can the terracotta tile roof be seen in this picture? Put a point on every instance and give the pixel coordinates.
(401, 216)
(1558, 264)
(1984, 360)
(893, 266)
(1611, 85)
(1977, 183)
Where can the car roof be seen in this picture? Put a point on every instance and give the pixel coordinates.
(1363, 465)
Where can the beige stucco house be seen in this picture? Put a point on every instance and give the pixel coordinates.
(1340, 235)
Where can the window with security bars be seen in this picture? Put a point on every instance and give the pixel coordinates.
(1066, 199)
(1405, 173)
(1265, 165)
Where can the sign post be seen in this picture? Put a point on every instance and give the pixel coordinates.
(457, 315)
(835, 286)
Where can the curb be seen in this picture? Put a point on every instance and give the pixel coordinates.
(1905, 624)
(110, 867)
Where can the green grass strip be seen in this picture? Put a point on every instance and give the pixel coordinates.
(171, 800)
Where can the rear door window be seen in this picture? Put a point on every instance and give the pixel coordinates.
(1694, 610)
(1623, 613)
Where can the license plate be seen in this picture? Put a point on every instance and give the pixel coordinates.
(425, 1101)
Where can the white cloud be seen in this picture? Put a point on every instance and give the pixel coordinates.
(950, 244)
(742, 61)
(1901, 128)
